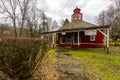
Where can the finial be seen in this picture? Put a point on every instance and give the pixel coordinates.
(76, 6)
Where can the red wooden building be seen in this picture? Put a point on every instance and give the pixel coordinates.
(81, 34)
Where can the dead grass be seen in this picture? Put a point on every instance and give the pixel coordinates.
(47, 70)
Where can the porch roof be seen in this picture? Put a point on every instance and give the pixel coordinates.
(78, 25)
(79, 29)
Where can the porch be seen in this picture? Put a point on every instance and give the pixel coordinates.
(69, 39)
(80, 39)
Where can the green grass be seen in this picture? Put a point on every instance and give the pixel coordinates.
(98, 63)
(113, 42)
(51, 51)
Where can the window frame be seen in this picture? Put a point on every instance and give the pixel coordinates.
(92, 37)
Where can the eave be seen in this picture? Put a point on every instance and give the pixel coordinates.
(79, 29)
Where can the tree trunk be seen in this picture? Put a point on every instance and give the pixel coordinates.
(21, 29)
(15, 29)
(22, 25)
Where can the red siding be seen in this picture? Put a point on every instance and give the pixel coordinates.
(85, 41)
(96, 43)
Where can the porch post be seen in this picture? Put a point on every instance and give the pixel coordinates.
(108, 41)
(105, 40)
(53, 40)
(78, 39)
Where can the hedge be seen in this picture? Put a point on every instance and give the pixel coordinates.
(20, 57)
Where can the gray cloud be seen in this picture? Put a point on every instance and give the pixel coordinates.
(61, 9)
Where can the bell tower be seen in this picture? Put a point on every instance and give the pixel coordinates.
(77, 15)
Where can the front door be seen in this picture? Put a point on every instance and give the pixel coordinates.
(69, 39)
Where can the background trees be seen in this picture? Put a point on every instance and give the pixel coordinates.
(9, 8)
(112, 17)
(25, 6)
(26, 18)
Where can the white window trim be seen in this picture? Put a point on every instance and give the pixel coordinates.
(92, 37)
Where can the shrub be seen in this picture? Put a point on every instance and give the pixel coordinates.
(20, 57)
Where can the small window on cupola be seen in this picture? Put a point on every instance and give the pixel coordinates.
(79, 17)
(75, 17)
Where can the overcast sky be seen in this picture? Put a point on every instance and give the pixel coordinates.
(61, 9)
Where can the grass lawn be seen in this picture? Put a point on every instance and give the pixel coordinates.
(113, 42)
(99, 64)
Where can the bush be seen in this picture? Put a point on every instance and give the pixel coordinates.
(19, 58)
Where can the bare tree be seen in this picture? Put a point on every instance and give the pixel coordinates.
(44, 23)
(115, 33)
(25, 7)
(112, 17)
(54, 25)
(117, 11)
(33, 22)
(9, 8)
(101, 18)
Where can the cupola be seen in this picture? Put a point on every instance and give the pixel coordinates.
(77, 15)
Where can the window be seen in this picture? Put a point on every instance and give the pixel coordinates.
(92, 37)
(75, 35)
(75, 17)
(79, 17)
(62, 39)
